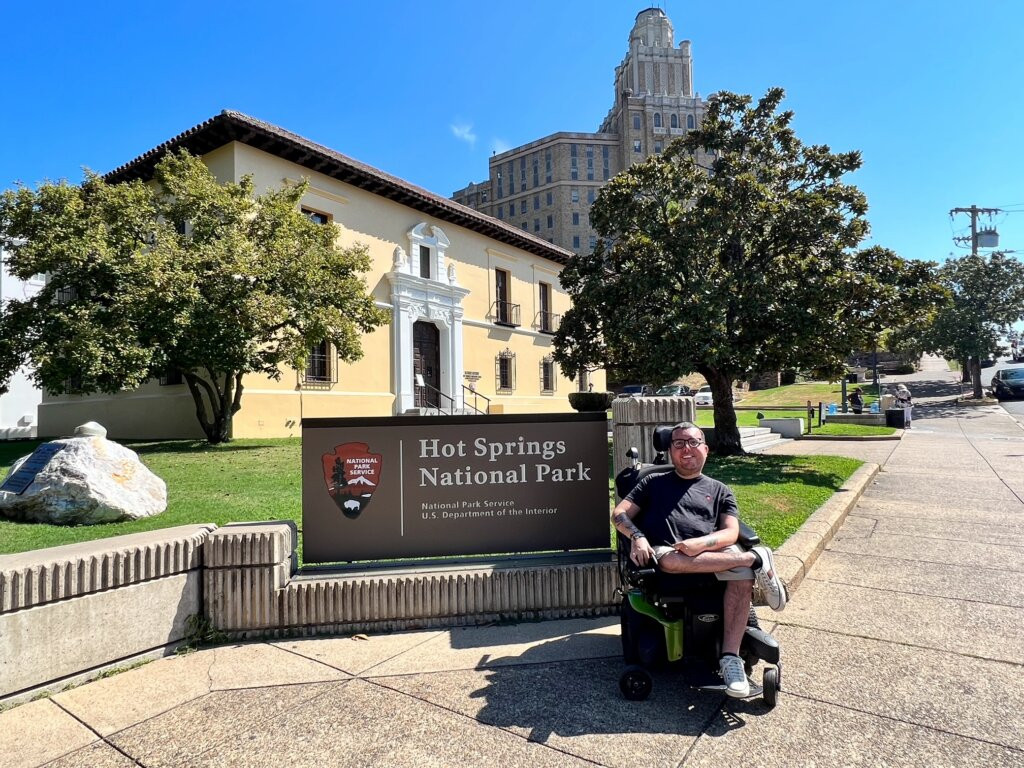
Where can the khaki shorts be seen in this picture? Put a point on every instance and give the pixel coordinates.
(733, 574)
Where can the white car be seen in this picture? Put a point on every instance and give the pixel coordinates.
(703, 396)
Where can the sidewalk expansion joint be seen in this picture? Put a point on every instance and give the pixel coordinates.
(442, 707)
(918, 537)
(491, 667)
(902, 721)
(715, 712)
(99, 736)
(915, 594)
(903, 644)
(973, 566)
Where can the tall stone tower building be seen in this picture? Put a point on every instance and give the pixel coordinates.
(547, 186)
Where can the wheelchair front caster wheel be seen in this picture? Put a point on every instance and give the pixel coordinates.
(770, 682)
(636, 684)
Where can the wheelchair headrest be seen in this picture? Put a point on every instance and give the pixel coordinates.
(662, 438)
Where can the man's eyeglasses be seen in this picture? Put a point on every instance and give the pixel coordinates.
(692, 442)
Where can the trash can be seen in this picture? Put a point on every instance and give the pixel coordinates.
(896, 417)
(853, 378)
(888, 401)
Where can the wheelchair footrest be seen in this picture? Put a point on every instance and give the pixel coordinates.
(761, 644)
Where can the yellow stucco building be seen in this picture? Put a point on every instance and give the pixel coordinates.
(473, 302)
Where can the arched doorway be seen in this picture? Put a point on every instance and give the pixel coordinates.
(426, 362)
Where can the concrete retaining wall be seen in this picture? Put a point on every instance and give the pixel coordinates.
(70, 610)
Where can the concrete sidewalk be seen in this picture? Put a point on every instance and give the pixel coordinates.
(902, 647)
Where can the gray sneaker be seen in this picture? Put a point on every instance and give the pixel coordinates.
(768, 580)
(734, 676)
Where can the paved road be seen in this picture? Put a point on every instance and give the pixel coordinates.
(904, 646)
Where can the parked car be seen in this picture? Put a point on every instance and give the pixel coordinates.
(673, 390)
(636, 390)
(1008, 383)
(703, 396)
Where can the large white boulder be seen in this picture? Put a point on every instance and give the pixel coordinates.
(87, 480)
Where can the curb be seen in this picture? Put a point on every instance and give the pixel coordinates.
(897, 435)
(799, 552)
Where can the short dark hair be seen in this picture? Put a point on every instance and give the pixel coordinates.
(684, 425)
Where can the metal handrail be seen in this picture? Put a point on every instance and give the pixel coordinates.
(431, 388)
(547, 322)
(505, 313)
(465, 400)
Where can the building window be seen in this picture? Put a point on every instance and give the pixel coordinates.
(689, 122)
(522, 173)
(170, 377)
(525, 225)
(657, 147)
(575, 218)
(522, 206)
(572, 150)
(590, 194)
(547, 166)
(636, 122)
(657, 119)
(551, 221)
(637, 147)
(425, 261)
(505, 371)
(501, 194)
(504, 311)
(575, 241)
(593, 242)
(547, 321)
(549, 199)
(547, 375)
(65, 294)
(317, 217)
(536, 171)
(536, 202)
(318, 365)
(536, 225)
(674, 121)
(574, 194)
(501, 211)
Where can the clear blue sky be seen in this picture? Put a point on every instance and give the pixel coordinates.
(929, 90)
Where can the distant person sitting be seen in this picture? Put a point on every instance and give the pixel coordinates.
(856, 399)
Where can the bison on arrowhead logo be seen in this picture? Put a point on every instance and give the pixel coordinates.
(352, 474)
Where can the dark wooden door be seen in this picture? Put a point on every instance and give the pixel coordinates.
(426, 362)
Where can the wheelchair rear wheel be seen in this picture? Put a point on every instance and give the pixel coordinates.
(636, 683)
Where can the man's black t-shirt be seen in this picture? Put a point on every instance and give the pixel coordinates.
(673, 509)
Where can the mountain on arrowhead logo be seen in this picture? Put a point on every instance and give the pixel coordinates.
(352, 474)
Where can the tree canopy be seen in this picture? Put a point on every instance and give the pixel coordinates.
(186, 273)
(985, 298)
(731, 254)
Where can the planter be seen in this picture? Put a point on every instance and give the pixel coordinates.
(591, 401)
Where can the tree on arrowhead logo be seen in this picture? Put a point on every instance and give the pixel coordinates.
(352, 474)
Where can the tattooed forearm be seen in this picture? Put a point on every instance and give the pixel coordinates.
(710, 541)
(622, 520)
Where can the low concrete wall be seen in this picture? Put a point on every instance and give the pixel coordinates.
(788, 427)
(867, 419)
(253, 590)
(67, 610)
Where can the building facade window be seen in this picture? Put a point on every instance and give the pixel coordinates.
(505, 371)
(674, 121)
(319, 368)
(657, 119)
(425, 261)
(637, 147)
(636, 122)
(317, 217)
(522, 174)
(536, 171)
(504, 311)
(575, 218)
(536, 202)
(590, 194)
(549, 199)
(547, 166)
(548, 380)
(574, 194)
(498, 185)
(170, 377)
(501, 211)
(575, 241)
(522, 206)
(593, 242)
(657, 147)
(536, 225)
(551, 221)
(689, 122)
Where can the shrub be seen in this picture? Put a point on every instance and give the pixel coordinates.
(591, 401)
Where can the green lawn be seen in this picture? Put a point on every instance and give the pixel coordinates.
(815, 391)
(706, 418)
(251, 480)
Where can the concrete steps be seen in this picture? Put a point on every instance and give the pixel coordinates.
(758, 439)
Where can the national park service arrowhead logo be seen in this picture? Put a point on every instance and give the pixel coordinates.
(352, 474)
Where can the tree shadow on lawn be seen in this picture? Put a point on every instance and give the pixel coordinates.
(765, 469)
(191, 446)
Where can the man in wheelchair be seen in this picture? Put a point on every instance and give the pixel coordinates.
(687, 523)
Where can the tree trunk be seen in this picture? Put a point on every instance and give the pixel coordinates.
(215, 405)
(965, 368)
(727, 433)
(976, 377)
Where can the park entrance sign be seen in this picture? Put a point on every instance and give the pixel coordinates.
(400, 487)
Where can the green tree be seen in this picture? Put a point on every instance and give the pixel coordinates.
(186, 273)
(741, 266)
(986, 296)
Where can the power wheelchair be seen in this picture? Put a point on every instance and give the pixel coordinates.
(675, 621)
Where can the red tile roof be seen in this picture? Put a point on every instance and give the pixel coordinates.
(231, 126)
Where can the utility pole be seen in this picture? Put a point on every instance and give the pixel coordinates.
(974, 211)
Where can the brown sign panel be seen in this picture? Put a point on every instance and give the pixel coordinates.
(392, 488)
